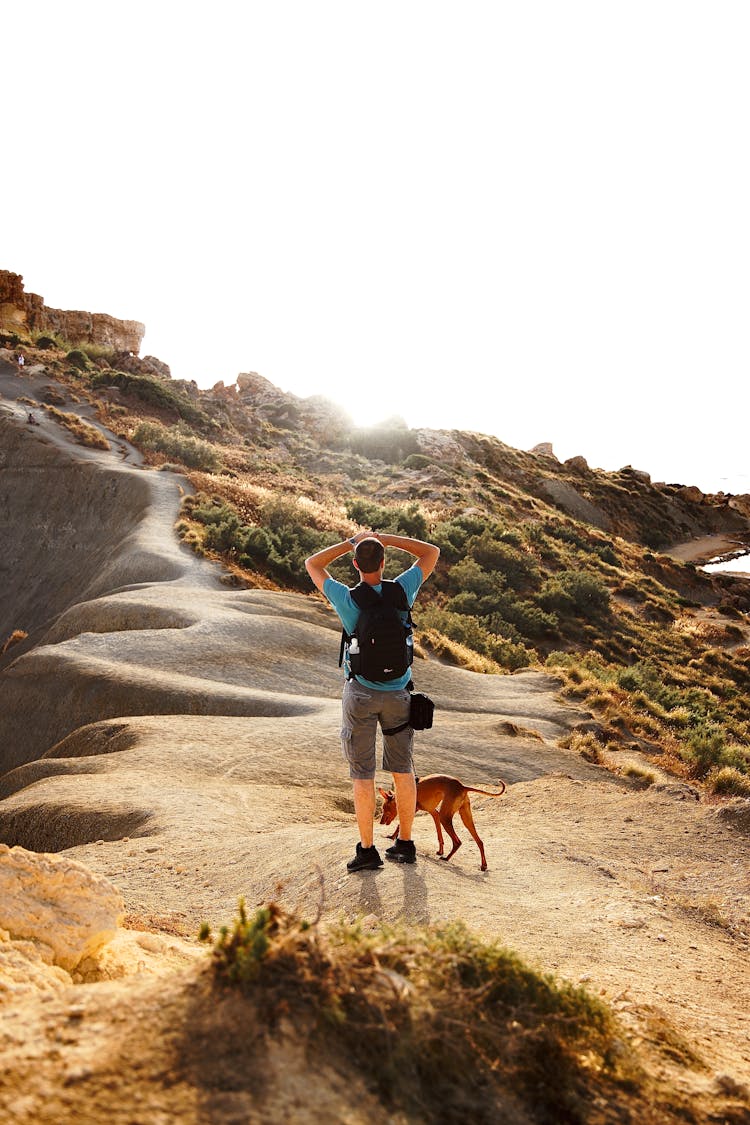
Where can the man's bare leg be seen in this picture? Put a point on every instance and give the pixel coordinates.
(405, 786)
(364, 808)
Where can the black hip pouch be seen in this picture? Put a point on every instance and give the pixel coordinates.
(421, 710)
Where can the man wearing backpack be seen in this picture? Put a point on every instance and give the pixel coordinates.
(377, 666)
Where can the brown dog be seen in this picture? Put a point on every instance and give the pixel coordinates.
(442, 797)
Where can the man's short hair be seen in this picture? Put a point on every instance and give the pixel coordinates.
(369, 554)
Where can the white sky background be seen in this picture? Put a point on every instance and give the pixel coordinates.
(530, 219)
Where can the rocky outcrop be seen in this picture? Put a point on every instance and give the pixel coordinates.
(564, 496)
(26, 312)
(57, 903)
(636, 474)
(691, 493)
(577, 464)
(315, 414)
(136, 365)
(544, 449)
(740, 504)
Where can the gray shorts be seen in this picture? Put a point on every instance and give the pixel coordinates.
(362, 709)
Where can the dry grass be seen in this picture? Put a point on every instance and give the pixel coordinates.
(452, 652)
(15, 638)
(585, 744)
(638, 773)
(727, 781)
(84, 433)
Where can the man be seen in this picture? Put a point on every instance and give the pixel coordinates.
(369, 702)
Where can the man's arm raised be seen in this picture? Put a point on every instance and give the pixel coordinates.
(317, 563)
(427, 554)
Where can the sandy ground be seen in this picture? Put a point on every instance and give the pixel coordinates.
(706, 548)
(197, 760)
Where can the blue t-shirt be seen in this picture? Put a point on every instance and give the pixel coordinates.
(340, 597)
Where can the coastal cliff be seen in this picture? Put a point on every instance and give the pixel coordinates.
(27, 313)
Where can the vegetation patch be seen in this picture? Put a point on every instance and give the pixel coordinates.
(179, 444)
(84, 433)
(153, 392)
(445, 1026)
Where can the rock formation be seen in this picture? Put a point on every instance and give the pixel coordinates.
(544, 449)
(26, 312)
(56, 901)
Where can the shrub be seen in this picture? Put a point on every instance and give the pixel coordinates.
(368, 513)
(179, 444)
(527, 617)
(154, 392)
(417, 461)
(500, 557)
(706, 749)
(452, 535)
(78, 358)
(408, 519)
(412, 521)
(224, 536)
(438, 1004)
(469, 576)
(573, 591)
(470, 632)
(728, 781)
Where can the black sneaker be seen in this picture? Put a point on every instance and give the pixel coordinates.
(365, 859)
(403, 851)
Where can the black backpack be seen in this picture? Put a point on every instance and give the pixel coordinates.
(381, 633)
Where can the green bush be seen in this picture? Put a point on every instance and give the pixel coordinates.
(177, 443)
(408, 519)
(153, 391)
(494, 555)
(572, 591)
(77, 358)
(706, 749)
(368, 513)
(417, 461)
(469, 631)
(529, 619)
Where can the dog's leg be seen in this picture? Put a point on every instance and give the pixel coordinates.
(436, 818)
(468, 819)
(446, 819)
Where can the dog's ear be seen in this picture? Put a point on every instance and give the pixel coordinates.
(384, 795)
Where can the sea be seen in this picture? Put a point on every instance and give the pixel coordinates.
(737, 484)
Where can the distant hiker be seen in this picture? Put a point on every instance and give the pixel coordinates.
(32, 420)
(376, 620)
(21, 361)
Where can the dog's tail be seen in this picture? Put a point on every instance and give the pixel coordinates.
(471, 789)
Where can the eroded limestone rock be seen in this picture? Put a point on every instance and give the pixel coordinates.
(55, 901)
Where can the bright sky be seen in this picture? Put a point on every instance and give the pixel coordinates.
(530, 219)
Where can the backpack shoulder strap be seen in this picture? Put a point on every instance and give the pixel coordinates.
(394, 594)
(364, 596)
